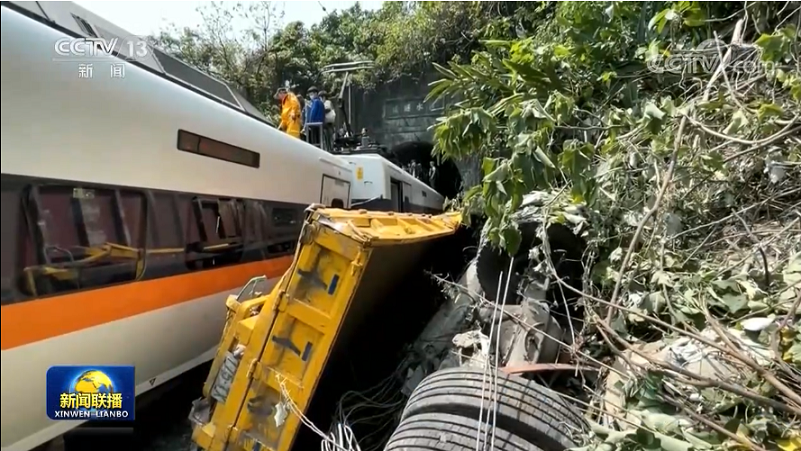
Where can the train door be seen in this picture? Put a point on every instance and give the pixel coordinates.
(335, 192)
(406, 191)
(396, 195)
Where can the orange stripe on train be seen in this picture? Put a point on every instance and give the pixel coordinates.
(36, 320)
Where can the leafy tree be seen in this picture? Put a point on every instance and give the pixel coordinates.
(614, 120)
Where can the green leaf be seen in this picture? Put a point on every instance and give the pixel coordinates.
(738, 121)
(653, 117)
(727, 284)
(792, 272)
(773, 46)
(487, 165)
(542, 158)
(694, 21)
(659, 20)
(662, 278)
(510, 239)
(767, 110)
(734, 303)
(712, 161)
(561, 51)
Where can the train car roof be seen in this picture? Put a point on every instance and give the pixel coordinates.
(79, 21)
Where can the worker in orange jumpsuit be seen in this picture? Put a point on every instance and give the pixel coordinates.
(290, 112)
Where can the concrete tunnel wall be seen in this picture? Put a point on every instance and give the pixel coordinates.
(396, 112)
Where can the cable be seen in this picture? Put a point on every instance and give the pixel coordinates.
(375, 409)
(486, 368)
(288, 402)
(341, 437)
(498, 353)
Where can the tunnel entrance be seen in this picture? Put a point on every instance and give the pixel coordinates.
(448, 180)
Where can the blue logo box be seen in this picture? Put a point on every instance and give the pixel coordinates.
(91, 392)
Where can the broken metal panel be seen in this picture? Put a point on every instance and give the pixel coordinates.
(344, 266)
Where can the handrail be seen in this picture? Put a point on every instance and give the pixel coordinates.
(347, 67)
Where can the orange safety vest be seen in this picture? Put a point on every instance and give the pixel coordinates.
(290, 115)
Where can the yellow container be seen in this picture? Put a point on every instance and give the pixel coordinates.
(274, 347)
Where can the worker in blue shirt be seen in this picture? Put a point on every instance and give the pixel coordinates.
(315, 117)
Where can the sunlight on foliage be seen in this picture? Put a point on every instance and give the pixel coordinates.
(696, 225)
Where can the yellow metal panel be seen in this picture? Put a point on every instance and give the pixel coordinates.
(276, 356)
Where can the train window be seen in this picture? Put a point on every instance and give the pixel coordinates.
(168, 224)
(254, 222)
(230, 212)
(167, 236)
(76, 228)
(337, 203)
(283, 217)
(208, 219)
(58, 237)
(13, 234)
(190, 142)
(133, 218)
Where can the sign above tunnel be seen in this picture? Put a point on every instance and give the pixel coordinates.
(412, 107)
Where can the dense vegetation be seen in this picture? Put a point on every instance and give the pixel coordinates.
(402, 38)
(667, 133)
(678, 160)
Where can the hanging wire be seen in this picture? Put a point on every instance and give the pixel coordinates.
(492, 369)
(498, 353)
(342, 435)
(486, 369)
(290, 404)
(376, 409)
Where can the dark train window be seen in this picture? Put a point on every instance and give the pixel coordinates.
(168, 223)
(284, 216)
(190, 142)
(58, 236)
(16, 247)
(74, 227)
(231, 217)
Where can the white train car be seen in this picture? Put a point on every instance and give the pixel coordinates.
(381, 185)
(132, 205)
